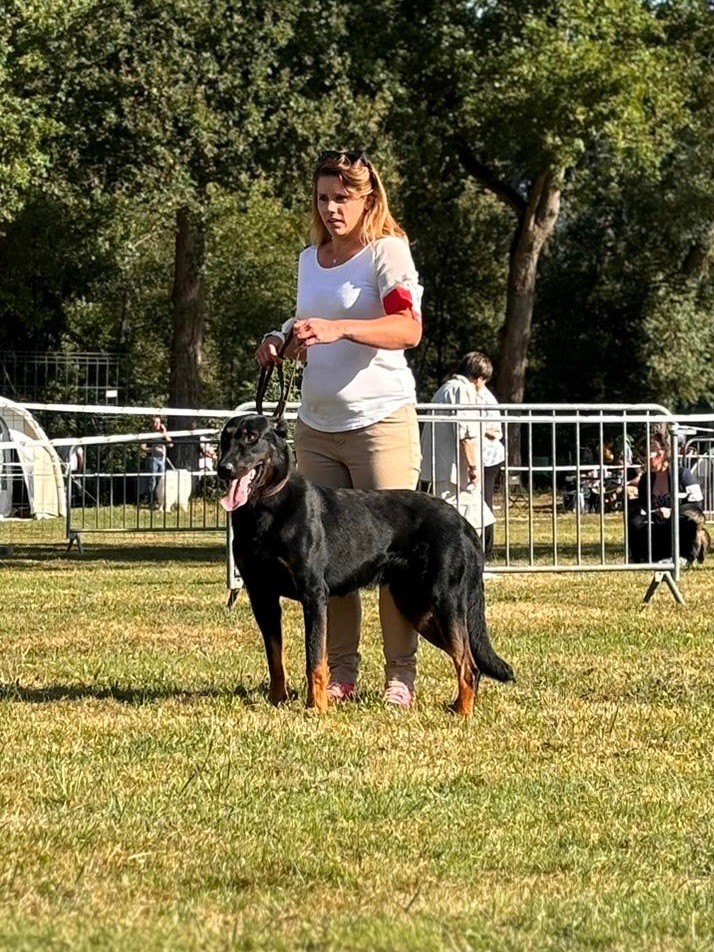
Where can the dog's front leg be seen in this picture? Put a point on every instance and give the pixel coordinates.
(315, 615)
(268, 614)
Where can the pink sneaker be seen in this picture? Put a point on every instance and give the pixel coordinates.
(397, 694)
(342, 691)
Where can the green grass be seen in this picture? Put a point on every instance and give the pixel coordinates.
(151, 798)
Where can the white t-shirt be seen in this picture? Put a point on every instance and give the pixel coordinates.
(442, 458)
(346, 385)
(493, 451)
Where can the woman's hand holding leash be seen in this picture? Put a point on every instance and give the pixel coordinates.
(268, 354)
(295, 350)
(273, 351)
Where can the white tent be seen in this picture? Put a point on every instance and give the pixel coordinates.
(30, 469)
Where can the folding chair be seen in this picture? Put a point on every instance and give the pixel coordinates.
(515, 493)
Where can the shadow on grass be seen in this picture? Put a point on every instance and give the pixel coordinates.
(27, 557)
(131, 696)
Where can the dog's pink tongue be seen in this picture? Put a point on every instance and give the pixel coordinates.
(237, 494)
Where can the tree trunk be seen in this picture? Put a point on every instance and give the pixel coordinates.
(697, 260)
(189, 312)
(535, 225)
(536, 220)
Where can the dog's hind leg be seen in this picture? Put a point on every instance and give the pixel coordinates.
(467, 674)
(268, 615)
(317, 671)
(445, 631)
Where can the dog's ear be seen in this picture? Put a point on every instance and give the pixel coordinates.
(281, 428)
(224, 429)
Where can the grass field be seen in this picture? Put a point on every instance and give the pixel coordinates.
(152, 799)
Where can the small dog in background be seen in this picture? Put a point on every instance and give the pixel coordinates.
(702, 543)
(174, 490)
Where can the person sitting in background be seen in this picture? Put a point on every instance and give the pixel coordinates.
(202, 460)
(651, 512)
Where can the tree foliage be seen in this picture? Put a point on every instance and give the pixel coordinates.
(552, 163)
(524, 92)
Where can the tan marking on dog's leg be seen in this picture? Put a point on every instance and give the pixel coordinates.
(466, 678)
(318, 678)
(278, 678)
(317, 683)
(464, 703)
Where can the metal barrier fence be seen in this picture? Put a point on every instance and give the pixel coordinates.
(566, 480)
(112, 483)
(117, 490)
(561, 501)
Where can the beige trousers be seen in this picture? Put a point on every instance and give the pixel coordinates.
(385, 455)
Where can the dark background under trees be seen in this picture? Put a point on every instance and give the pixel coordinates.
(552, 163)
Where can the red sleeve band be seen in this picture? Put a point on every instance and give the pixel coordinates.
(398, 299)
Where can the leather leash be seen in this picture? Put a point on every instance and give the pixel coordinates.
(264, 379)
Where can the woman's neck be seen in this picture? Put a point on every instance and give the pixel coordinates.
(339, 250)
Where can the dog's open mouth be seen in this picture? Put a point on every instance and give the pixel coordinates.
(239, 490)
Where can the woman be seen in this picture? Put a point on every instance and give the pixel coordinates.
(651, 512)
(453, 453)
(156, 459)
(358, 309)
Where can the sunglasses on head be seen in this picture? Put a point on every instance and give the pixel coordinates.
(334, 155)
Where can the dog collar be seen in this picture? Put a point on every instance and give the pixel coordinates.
(276, 489)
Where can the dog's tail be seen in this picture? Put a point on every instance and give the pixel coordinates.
(487, 661)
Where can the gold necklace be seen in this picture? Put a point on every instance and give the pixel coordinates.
(336, 260)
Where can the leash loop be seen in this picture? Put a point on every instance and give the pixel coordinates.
(264, 379)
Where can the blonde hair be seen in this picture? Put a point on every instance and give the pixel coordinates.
(360, 178)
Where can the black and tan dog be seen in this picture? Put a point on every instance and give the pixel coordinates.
(295, 539)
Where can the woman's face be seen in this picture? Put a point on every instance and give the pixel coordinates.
(658, 459)
(341, 212)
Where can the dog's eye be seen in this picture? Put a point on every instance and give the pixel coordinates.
(250, 437)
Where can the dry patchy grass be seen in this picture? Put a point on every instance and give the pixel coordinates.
(150, 797)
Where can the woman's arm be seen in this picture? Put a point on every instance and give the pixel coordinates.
(472, 453)
(397, 331)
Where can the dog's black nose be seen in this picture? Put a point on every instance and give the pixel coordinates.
(225, 470)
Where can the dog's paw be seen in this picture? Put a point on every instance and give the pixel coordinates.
(280, 694)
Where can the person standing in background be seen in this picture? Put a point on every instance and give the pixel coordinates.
(156, 458)
(452, 453)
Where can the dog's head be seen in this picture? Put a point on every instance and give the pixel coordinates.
(254, 459)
